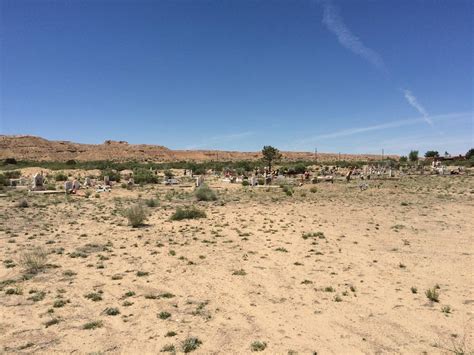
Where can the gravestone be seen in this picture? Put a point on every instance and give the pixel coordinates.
(76, 185)
(87, 182)
(38, 182)
(68, 186)
(106, 181)
(199, 180)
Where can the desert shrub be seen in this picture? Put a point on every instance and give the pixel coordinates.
(23, 203)
(313, 190)
(50, 187)
(297, 169)
(112, 174)
(93, 325)
(9, 161)
(432, 294)
(13, 174)
(205, 193)
(245, 183)
(144, 176)
(261, 181)
(287, 189)
(169, 174)
(152, 202)
(258, 346)
(3, 180)
(187, 213)
(71, 162)
(136, 215)
(191, 344)
(112, 311)
(34, 261)
(60, 176)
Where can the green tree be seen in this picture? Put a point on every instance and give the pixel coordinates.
(470, 153)
(431, 154)
(270, 155)
(413, 156)
(403, 159)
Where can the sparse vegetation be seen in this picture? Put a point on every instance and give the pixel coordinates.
(205, 193)
(258, 345)
(136, 215)
(34, 261)
(187, 213)
(190, 344)
(432, 294)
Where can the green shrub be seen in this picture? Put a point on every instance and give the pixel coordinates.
(191, 344)
(152, 202)
(60, 176)
(313, 190)
(13, 174)
(3, 180)
(112, 174)
(261, 181)
(187, 213)
(287, 189)
(432, 294)
(144, 176)
(245, 183)
(258, 346)
(136, 215)
(205, 193)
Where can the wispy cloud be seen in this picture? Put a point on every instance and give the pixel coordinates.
(334, 23)
(413, 101)
(224, 138)
(393, 124)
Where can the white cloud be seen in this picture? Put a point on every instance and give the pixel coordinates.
(393, 124)
(334, 22)
(413, 101)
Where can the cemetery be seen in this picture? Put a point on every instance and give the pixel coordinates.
(142, 253)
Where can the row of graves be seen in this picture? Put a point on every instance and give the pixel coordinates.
(313, 175)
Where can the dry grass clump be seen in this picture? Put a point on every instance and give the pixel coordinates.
(23, 203)
(136, 215)
(187, 213)
(205, 193)
(34, 261)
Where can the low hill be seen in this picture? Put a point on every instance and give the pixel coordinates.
(39, 149)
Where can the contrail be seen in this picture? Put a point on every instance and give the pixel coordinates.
(412, 100)
(334, 22)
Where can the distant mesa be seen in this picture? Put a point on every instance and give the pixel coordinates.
(23, 147)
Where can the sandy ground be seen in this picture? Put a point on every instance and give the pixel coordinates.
(245, 273)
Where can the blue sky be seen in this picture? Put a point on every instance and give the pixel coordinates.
(343, 76)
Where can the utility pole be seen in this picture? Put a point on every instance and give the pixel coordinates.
(339, 156)
(382, 153)
(316, 154)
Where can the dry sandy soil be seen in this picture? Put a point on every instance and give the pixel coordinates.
(245, 273)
